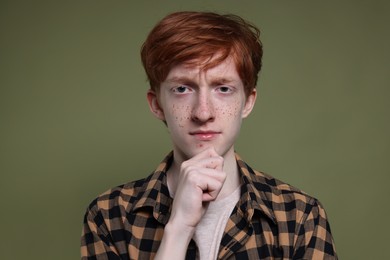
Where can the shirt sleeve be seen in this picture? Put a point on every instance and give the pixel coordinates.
(96, 242)
(314, 240)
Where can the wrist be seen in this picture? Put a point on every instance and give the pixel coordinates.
(179, 232)
(175, 242)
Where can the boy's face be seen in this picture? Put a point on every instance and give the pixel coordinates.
(202, 108)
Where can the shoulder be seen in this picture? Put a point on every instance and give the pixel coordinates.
(284, 201)
(269, 189)
(300, 219)
(147, 193)
(280, 190)
(122, 196)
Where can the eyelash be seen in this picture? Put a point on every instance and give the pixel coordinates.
(176, 89)
(184, 89)
(228, 89)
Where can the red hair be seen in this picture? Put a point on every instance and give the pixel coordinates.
(194, 38)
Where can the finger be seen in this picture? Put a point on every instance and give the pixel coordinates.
(210, 188)
(197, 174)
(209, 152)
(213, 162)
(210, 178)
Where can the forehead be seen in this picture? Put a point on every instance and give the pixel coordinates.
(225, 70)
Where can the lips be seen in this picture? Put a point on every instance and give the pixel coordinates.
(205, 135)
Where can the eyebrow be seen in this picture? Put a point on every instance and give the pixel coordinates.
(180, 79)
(192, 81)
(222, 81)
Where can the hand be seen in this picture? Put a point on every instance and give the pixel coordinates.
(200, 180)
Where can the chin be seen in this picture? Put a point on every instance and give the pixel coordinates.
(187, 154)
(188, 151)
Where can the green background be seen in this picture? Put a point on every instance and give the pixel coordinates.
(75, 122)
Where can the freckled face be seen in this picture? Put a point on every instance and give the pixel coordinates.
(202, 108)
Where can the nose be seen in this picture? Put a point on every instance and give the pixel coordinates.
(203, 110)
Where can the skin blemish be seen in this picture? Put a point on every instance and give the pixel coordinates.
(202, 108)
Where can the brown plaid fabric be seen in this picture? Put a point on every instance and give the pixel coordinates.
(272, 220)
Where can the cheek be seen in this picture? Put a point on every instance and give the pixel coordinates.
(229, 111)
(179, 114)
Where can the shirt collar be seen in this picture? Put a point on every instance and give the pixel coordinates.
(155, 194)
(255, 192)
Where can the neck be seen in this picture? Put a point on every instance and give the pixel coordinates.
(230, 167)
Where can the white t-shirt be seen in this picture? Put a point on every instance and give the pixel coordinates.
(209, 231)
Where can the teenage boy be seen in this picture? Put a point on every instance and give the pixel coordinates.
(203, 201)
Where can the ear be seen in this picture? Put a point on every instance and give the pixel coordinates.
(249, 103)
(154, 105)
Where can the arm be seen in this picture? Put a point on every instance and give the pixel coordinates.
(200, 180)
(315, 240)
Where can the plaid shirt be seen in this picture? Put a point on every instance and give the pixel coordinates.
(272, 220)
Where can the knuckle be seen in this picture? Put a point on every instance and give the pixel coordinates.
(223, 176)
(185, 167)
(192, 176)
(217, 161)
(220, 159)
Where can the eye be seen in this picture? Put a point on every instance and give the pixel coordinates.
(224, 89)
(181, 89)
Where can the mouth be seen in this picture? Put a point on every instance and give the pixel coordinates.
(205, 135)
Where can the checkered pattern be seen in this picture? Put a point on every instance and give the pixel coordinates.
(272, 220)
